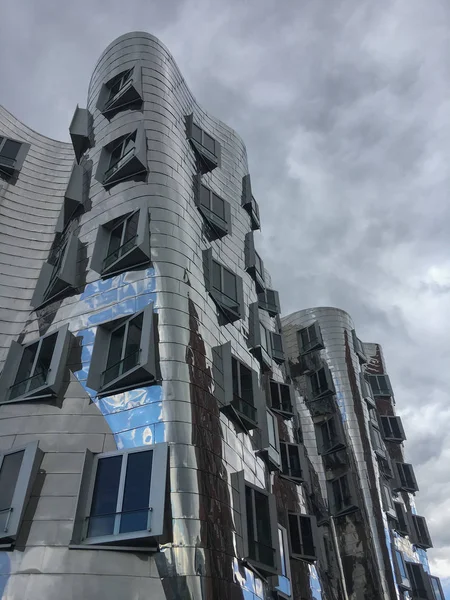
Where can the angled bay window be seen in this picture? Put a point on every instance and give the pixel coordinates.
(303, 537)
(280, 399)
(342, 495)
(401, 574)
(12, 156)
(406, 479)
(124, 158)
(79, 130)
(206, 147)
(392, 429)
(249, 204)
(224, 287)
(123, 356)
(276, 344)
(253, 263)
(330, 435)
(35, 370)
(122, 244)
(380, 384)
(420, 582)
(437, 588)
(269, 446)
(58, 275)
(358, 348)
(73, 198)
(121, 498)
(18, 469)
(321, 383)
(420, 534)
(258, 532)
(123, 91)
(401, 525)
(309, 338)
(269, 300)
(215, 210)
(236, 388)
(293, 462)
(259, 340)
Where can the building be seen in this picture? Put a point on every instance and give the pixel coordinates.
(152, 442)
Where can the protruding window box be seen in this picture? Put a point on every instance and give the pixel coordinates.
(393, 429)
(269, 446)
(401, 521)
(123, 356)
(12, 156)
(225, 288)
(401, 574)
(269, 300)
(73, 198)
(303, 537)
(79, 130)
(121, 499)
(405, 479)
(321, 383)
(388, 502)
(215, 210)
(366, 391)
(236, 388)
(276, 343)
(249, 204)
(293, 462)
(381, 385)
(123, 159)
(342, 495)
(35, 370)
(330, 435)
(358, 348)
(123, 91)
(206, 147)
(253, 263)
(437, 588)
(420, 534)
(122, 244)
(420, 582)
(280, 398)
(310, 338)
(259, 339)
(377, 442)
(257, 540)
(58, 275)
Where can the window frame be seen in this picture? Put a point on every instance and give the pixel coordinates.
(249, 204)
(421, 535)
(295, 476)
(340, 441)
(218, 227)
(283, 543)
(279, 356)
(349, 507)
(230, 311)
(10, 167)
(379, 391)
(358, 348)
(366, 390)
(79, 130)
(388, 500)
(254, 265)
(270, 452)
(130, 95)
(28, 470)
(287, 412)
(259, 347)
(303, 518)
(402, 580)
(73, 198)
(157, 492)
(209, 160)
(144, 373)
(138, 255)
(329, 390)
(377, 441)
(406, 476)
(273, 308)
(388, 431)
(53, 377)
(315, 344)
(416, 570)
(440, 591)
(401, 525)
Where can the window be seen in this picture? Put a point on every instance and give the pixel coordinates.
(366, 391)
(259, 339)
(207, 149)
(18, 469)
(280, 398)
(79, 130)
(330, 435)
(122, 497)
(249, 204)
(269, 440)
(406, 478)
(73, 198)
(437, 588)
(293, 461)
(380, 384)
(253, 263)
(402, 525)
(377, 441)
(124, 90)
(122, 244)
(124, 158)
(302, 533)
(258, 527)
(225, 288)
(282, 583)
(236, 388)
(422, 535)
(400, 569)
(321, 383)
(342, 495)
(310, 338)
(420, 582)
(35, 370)
(388, 502)
(215, 210)
(123, 356)
(276, 344)
(269, 300)
(358, 348)
(12, 155)
(58, 275)
(393, 429)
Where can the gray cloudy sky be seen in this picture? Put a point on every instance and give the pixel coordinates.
(345, 109)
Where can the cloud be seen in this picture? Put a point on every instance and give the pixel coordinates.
(345, 110)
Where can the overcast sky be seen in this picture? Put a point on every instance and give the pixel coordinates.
(344, 106)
